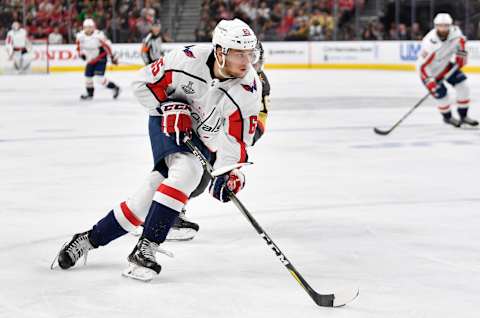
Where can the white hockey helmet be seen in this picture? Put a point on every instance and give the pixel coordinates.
(15, 25)
(443, 18)
(88, 23)
(234, 34)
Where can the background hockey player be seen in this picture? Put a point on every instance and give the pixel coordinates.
(210, 94)
(444, 48)
(18, 47)
(94, 47)
(183, 228)
(152, 44)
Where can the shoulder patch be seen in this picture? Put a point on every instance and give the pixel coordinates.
(188, 52)
(251, 88)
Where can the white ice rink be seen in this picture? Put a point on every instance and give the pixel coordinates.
(397, 216)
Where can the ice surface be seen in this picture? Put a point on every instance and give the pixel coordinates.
(398, 216)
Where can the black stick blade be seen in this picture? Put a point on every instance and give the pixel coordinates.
(339, 299)
(381, 132)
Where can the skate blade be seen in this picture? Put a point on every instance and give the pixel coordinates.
(181, 235)
(139, 273)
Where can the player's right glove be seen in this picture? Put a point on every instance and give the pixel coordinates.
(431, 85)
(176, 120)
(233, 181)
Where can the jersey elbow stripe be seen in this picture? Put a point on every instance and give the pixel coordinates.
(159, 88)
(424, 65)
(235, 129)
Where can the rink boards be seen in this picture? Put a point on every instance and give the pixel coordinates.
(366, 55)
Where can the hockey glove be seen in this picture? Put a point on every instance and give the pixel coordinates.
(461, 58)
(220, 186)
(431, 85)
(176, 120)
(114, 60)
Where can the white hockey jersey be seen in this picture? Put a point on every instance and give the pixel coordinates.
(95, 46)
(16, 40)
(224, 113)
(436, 55)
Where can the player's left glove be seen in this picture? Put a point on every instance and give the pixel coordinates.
(114, 59)
(234, 181)
(176, 120)
(461, 58)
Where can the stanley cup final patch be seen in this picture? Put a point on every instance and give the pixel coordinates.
(188, 89)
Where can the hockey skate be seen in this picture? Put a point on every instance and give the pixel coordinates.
(468, 121)
(72, 251)
(116, 92)
(86, 97)
(182, 229)
(142, 262)
(450, 120)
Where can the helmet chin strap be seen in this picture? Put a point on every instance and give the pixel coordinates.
(221, 66)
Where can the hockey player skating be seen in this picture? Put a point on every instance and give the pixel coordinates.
(18, 47)
(94, 47)
(210, 94)
(183, 229)
(444, 48)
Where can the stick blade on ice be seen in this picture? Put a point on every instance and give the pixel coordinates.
(381, 132)
(344, 297)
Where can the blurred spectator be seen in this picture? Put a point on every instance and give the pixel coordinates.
(415, 32)
(55, 37)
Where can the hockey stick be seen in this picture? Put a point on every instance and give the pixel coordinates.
(420, 102)
(324, 300)
(386, 132)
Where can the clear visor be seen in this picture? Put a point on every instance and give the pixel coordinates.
(249, 56)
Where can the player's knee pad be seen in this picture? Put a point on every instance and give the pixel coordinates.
(26, 61)
(89, 81)
(184, 175)
(463, 91)
(443, 104)
(132, 213)
(101, 80)
(17, 60)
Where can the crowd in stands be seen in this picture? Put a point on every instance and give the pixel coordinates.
(282, 20)
(272, 20)
(60, 20)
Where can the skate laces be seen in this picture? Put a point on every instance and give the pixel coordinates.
(149, 248)
(80, 246)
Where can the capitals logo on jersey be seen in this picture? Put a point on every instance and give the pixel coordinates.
(188, 52)
(249, 88)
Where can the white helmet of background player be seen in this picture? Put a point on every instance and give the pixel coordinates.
(88, 26)
(15, 26)
(236, 35)
(443, 22)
